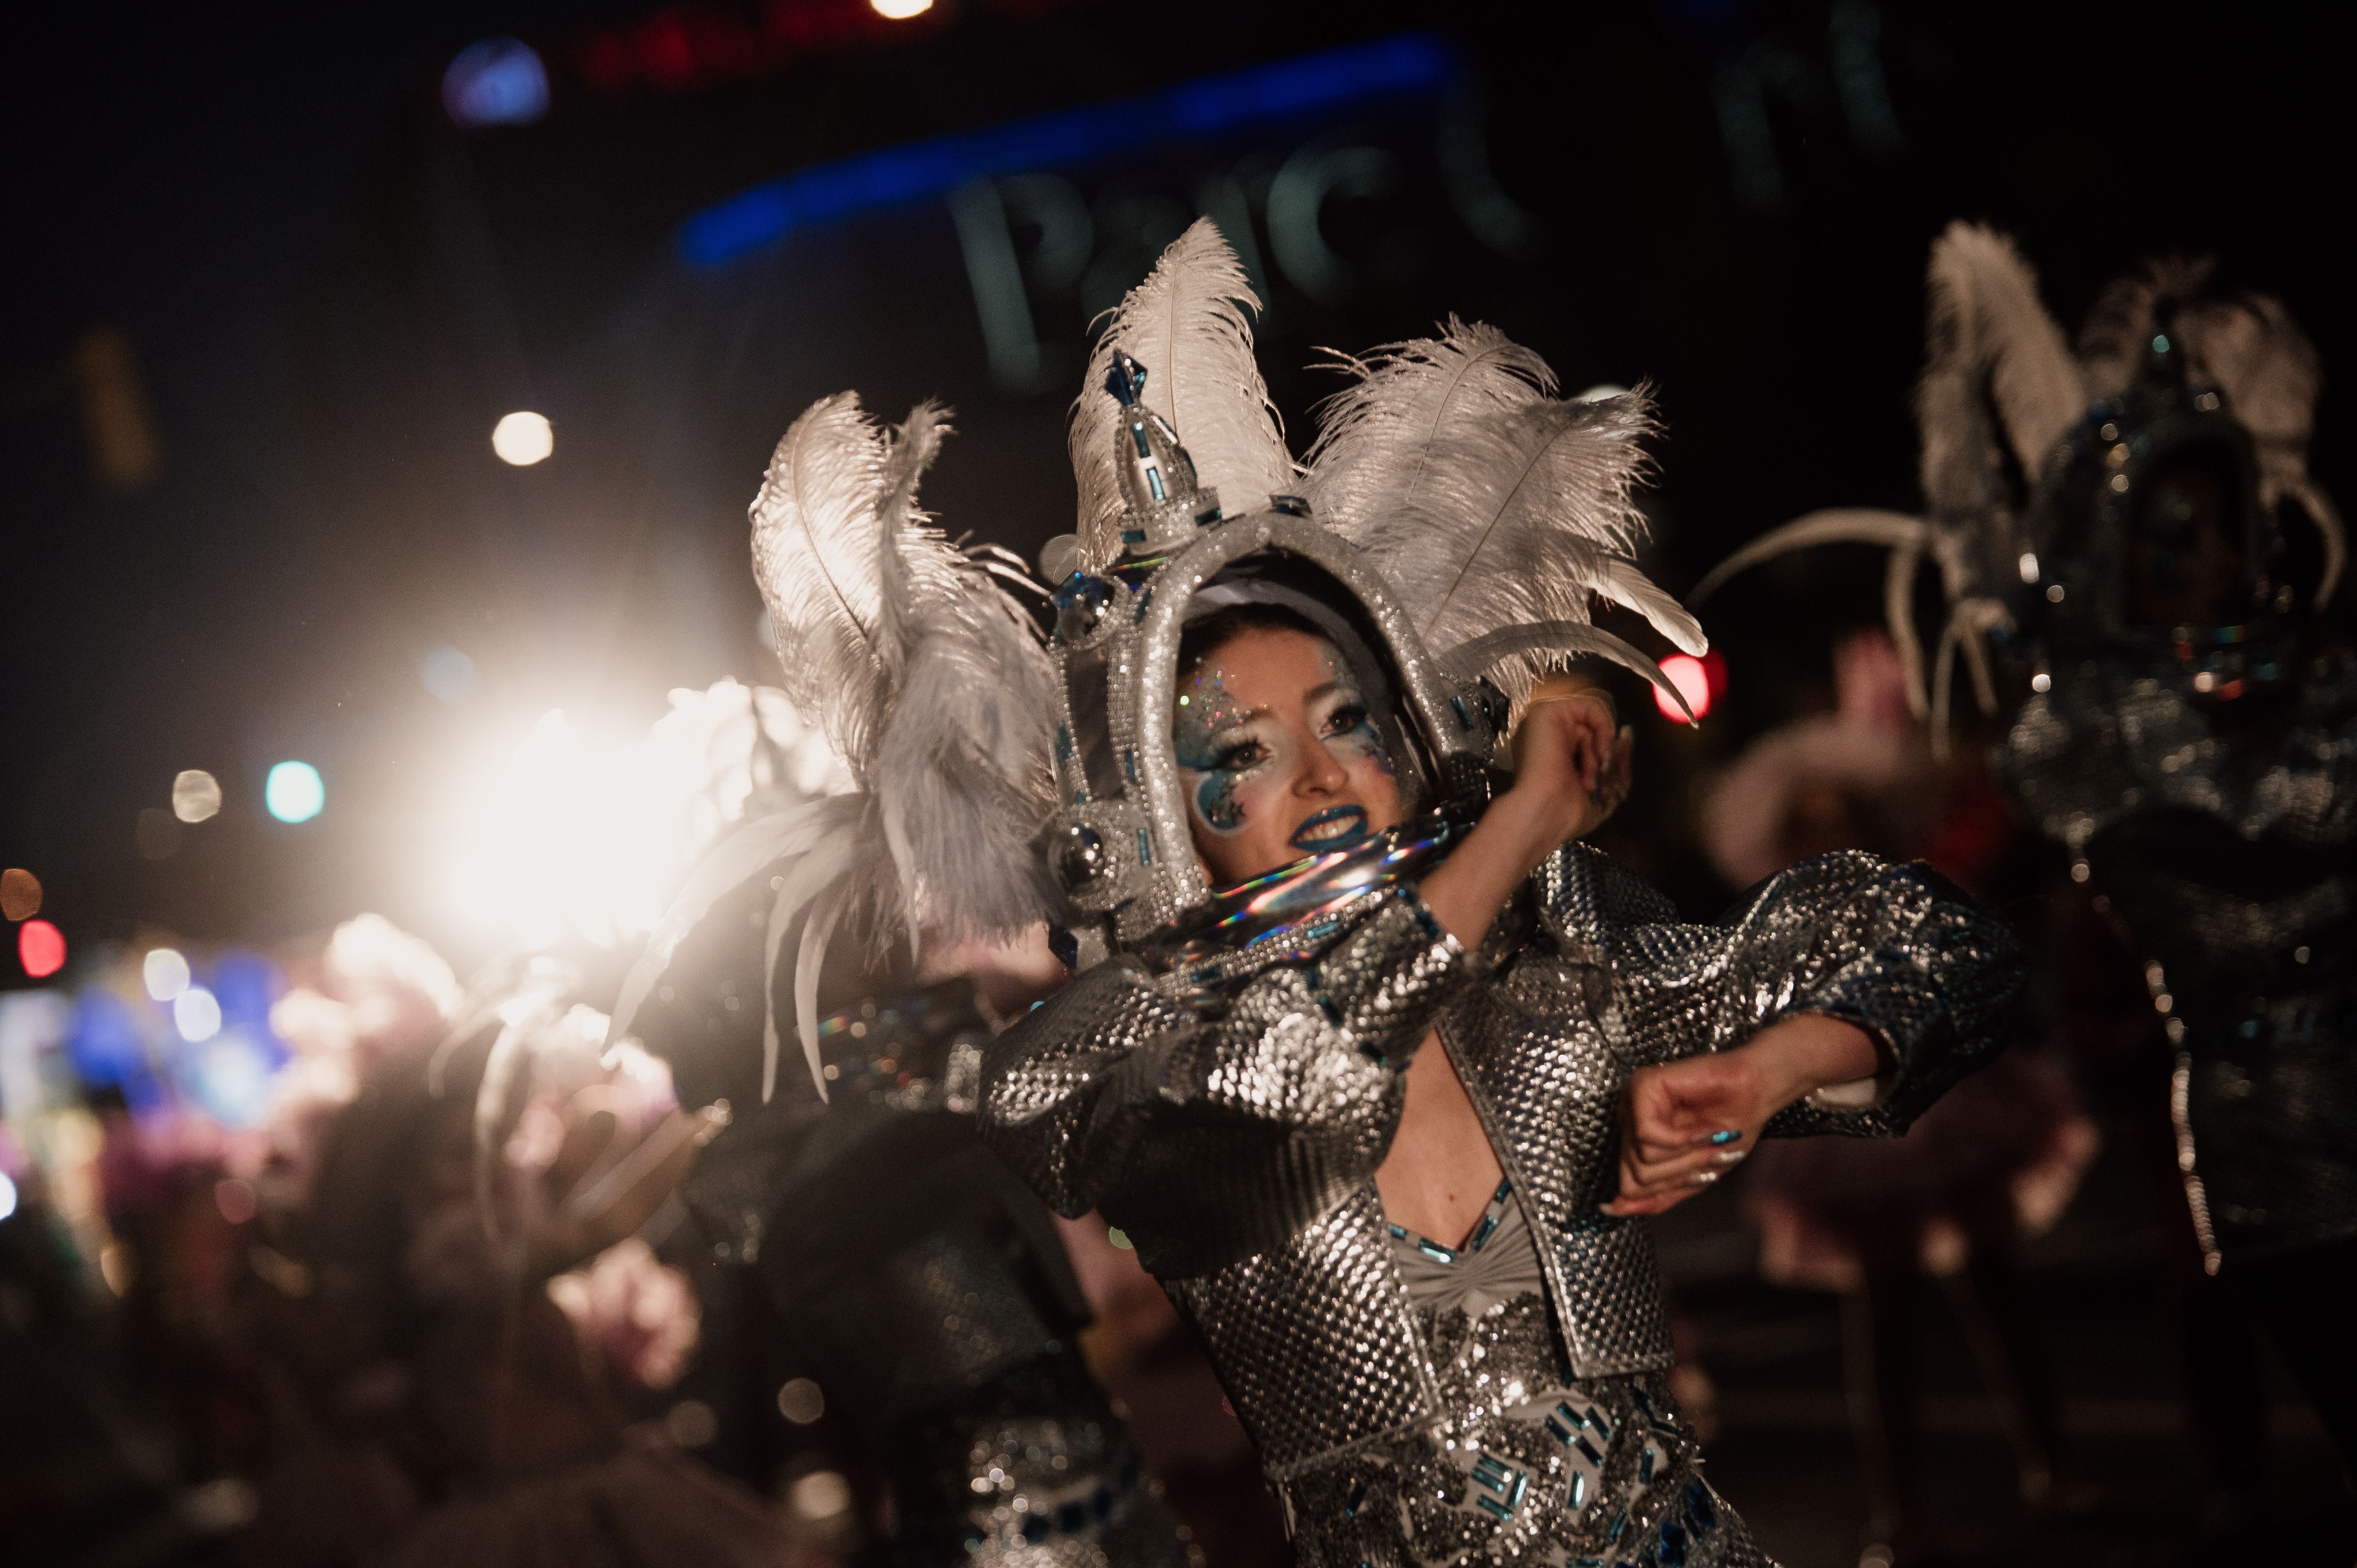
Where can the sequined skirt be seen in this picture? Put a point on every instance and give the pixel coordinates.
(1525, 1467)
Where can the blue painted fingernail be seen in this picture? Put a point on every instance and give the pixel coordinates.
(1729, 1135)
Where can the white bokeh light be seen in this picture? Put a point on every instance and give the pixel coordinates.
(196, 795)
(899, 10)
(523, 438)
(195, 1015)
(166, 973)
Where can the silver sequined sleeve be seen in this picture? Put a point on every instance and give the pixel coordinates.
(1209, 1134)
(1898, 951)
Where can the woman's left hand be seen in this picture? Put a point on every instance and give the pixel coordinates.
(1686, 1123)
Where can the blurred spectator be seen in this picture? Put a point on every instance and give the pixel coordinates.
(1993, 1161)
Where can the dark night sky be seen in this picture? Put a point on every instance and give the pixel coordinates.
(332, 292)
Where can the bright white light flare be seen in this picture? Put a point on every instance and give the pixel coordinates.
(523, 438)
(165, 973)
(899, 10)
(572, 832)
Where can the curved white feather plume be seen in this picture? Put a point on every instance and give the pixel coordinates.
(821, 579)
(931, 683)
(1997, 370)
(1484, 499)
(1190, 325)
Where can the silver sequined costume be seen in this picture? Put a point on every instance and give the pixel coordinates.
(929, 1292)
(2228, 864)
(1234, 1140)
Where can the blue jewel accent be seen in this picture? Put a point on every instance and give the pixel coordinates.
(1153, 482)
(1464, 719)
(1725, 1135)
(1620, 1523)
(1129, 758)
(1556, 1429)
(1137, 433)
(1358, 1496)
(1699, 1507)
(1492, 1472)
(1132, 536)
(1437, 1253)
(1673, 1545)
(1205, 519)
(1144, 849)
(1493, 1508)
(1585, 1446)
(1645, 1466)
(1578, 1490)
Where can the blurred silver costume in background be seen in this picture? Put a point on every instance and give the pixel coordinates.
(2136, 532)
(919, 1287)
(1224, 1073)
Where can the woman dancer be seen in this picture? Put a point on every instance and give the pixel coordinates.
(1332, 975)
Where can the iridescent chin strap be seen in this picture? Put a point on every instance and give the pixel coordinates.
(1293, 912)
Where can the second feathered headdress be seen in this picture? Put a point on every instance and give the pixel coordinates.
(928, 683)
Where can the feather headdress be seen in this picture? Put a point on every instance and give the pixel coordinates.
(1494, 508)
(1191, 324)
(929, 682)
(1999, 395)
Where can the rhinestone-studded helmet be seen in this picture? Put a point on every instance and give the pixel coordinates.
(1119, 846)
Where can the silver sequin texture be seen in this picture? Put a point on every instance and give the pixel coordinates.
(1235, 1139)
(2222, 848)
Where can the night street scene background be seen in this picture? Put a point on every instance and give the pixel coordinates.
(381, 390)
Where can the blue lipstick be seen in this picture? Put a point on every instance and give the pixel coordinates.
(1310, 839)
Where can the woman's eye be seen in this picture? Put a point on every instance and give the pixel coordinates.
(1345, 719)
(1251, 754)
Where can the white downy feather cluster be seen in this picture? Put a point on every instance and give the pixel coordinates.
(929, 682)
(1190, 324)
(1494, 508)
(1991, 348)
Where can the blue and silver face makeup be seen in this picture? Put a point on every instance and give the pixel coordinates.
(1247, 763)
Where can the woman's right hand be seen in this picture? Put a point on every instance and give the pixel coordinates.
(1571, 770)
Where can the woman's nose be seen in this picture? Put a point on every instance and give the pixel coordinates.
(1323, 773)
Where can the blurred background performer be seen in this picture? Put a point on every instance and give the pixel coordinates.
(1996, 1160)
(2134, 529)
(922, 1293)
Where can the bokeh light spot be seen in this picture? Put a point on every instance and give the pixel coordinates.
(236, 1200)
(165, 973)
(40, 947)
(448, 674)
(899, 10)
(499, 82)
(293, 792)
(1698, 681)
(523, 438)
(7, 1195)
(195, 1015)
(196, 795)
(20, 894)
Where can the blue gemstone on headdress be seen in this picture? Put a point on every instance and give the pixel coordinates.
(1699, 1507)
(1673, 1545)
(1126, 381)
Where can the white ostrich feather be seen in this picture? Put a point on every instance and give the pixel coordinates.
(1486, 501)
(1190, 324)
(1997, 370)
(929, 682)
